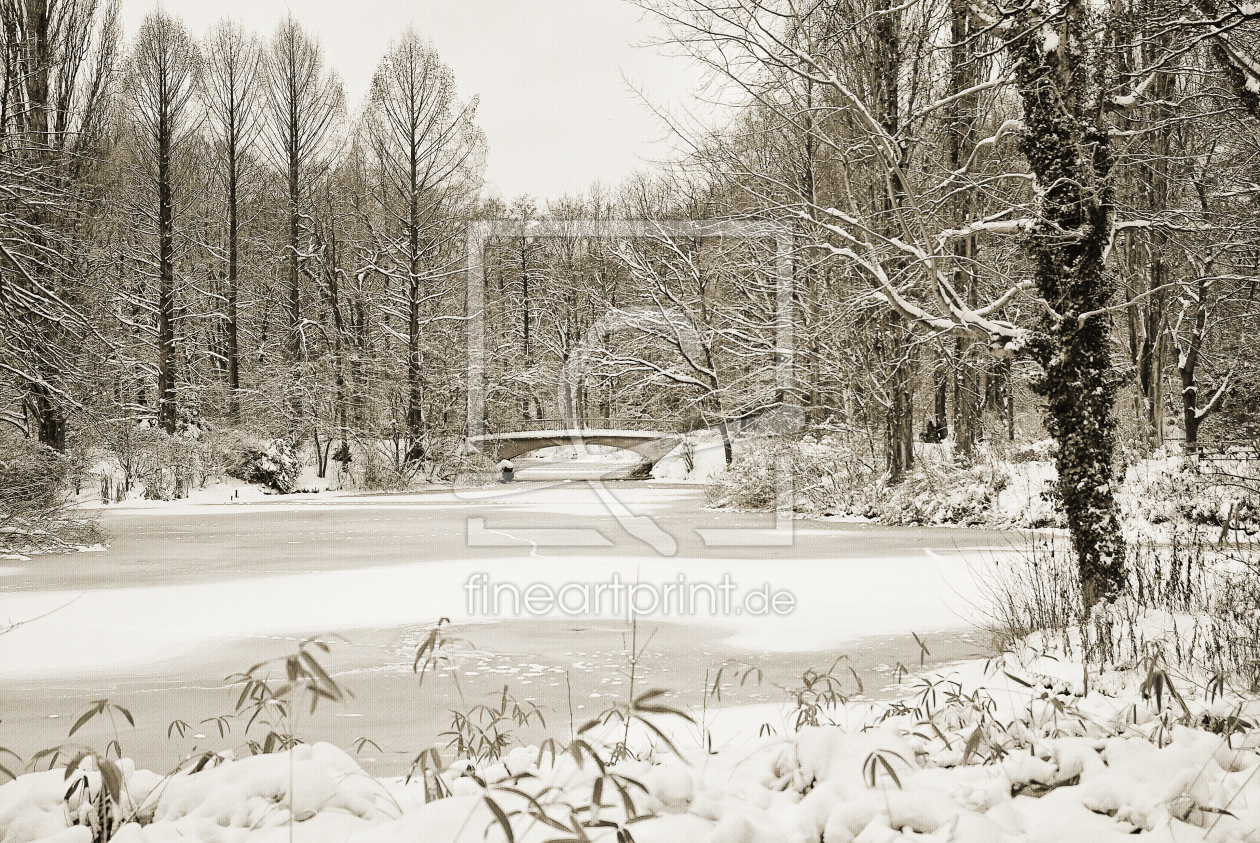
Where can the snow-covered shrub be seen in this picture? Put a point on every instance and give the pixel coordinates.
(165, 466)
(1174, 490)
(941, 494)
(275, 465)
(1040, 451)
(169, 465)
(438, 459)
(221, 450)
(1030, 498)
(35, 498)
(32, 476)
(450, 459)
(377, 471)
(825, 476)
(830, 475)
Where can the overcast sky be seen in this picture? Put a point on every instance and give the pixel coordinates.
(555, 108)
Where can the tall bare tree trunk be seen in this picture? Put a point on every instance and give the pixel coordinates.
(899, 425)
(965, 67)
(415, 362)
(304, 102)
(167, 400)
(164, 64)
(230, 85)
(233, 291)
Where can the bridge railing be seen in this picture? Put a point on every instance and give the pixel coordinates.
(530, 425)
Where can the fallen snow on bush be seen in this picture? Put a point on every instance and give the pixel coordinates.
(980, 756)
(1159, 493)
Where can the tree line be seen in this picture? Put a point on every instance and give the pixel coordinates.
(199, 230)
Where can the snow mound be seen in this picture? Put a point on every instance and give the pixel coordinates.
(945, 770)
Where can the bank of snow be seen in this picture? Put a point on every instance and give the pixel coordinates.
(975, 757)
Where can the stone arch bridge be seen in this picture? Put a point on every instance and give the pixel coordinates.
(646, 437)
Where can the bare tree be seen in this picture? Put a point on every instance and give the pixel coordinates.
(58, 63)
(162, 81)
(430, 157)
(230, 84)
(303, 104)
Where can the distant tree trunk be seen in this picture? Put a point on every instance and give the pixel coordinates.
(304, 102)
(1156, 196)
(1192, 409)
(899, 424)
(967, 401)
(1148, 329)
(415, 292)
(525, 320)
(423, 140)
(233, 318)
(292, 249)
(1008, 391)
(968, 394)
(167, 401)
(49, 418)
(940, 404)
(1189, 408)
(162, 83)
(964, 70)
(230, 85)
(415, 362)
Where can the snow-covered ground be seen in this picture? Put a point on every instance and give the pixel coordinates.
(975, 756)
(706, 459)
(978, 753)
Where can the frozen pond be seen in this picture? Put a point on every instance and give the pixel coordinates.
(188, 594)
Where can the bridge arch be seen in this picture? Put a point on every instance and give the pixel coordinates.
(652, 445)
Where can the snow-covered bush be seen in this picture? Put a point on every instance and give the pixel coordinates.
(35, 492)
(275, 465)
(941, 494)
(1175, 490)
(32, 476)
(378, 471)
(450, 459)
(830, 475)
(166, 467)
(825, 476)
(1041, 451)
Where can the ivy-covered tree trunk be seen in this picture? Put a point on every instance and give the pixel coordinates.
(1067, 148)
